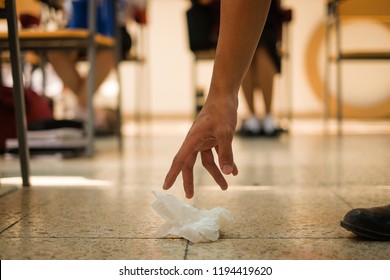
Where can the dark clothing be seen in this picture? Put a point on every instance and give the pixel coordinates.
(269, 41)
(272, 31)
(203, 27)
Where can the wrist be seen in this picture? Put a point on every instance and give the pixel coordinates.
(223, 99)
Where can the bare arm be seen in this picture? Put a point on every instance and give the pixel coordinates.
(242, 22)
(241, 25)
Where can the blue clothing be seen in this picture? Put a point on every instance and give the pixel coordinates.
(105, 16)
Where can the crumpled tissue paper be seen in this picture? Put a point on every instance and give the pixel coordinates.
(186, 221)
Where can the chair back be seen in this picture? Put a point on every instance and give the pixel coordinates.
(365, 8)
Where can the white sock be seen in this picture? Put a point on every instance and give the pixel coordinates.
(269, 124)
(252, 124)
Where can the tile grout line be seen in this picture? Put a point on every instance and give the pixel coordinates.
(10, 226)
(342, 199)
(186, 250)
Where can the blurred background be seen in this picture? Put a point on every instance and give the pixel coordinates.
(163, 76)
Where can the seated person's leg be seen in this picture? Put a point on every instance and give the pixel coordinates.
(64, 63)
(105, 62)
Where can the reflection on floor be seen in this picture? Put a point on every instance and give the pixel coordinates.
(287, 200)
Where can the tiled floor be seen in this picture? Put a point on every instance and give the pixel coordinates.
(287, 200)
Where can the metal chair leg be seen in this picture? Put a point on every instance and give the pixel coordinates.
(20, 107)
(118, 57)
(91, 77)
(338, 71)
(328, 23)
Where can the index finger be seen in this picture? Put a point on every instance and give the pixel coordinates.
(179, 161)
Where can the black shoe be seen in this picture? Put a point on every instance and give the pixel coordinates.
(277, 132)
(372, 223)
(244, 132)
(248, 133)
(246, 129)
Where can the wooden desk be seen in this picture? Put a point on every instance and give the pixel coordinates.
(44, 40)
(65, 39)
(37, 40)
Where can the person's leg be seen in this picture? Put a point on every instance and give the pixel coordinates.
(265, 75)
(250, 125)
(248, 88)
(64, 63)
(266, 72)
(105, 62)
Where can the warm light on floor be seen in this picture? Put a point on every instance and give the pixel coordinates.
(56, 181)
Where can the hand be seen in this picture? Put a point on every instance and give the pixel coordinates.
(213, 128)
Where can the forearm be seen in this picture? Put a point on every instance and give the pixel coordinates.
(242, 22)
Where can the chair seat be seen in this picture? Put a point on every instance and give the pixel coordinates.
(366, 55)
(205, 55)
(33, 39)
(362, 55)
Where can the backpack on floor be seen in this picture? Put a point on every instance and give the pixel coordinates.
(37, 109)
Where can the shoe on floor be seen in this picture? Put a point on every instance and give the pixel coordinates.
(254, 127)
(250, 127)
(372, 223)
(270, 127)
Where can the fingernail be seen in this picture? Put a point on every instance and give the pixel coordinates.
(227, 169)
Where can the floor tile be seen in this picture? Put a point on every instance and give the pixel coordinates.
(287, 200)
(91, 249)
(290, 249)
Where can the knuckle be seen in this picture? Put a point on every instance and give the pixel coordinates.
(178, 160)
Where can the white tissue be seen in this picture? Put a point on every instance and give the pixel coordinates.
(184, 220)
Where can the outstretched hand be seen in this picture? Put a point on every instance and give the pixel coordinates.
(240, 29)
(213, 128)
